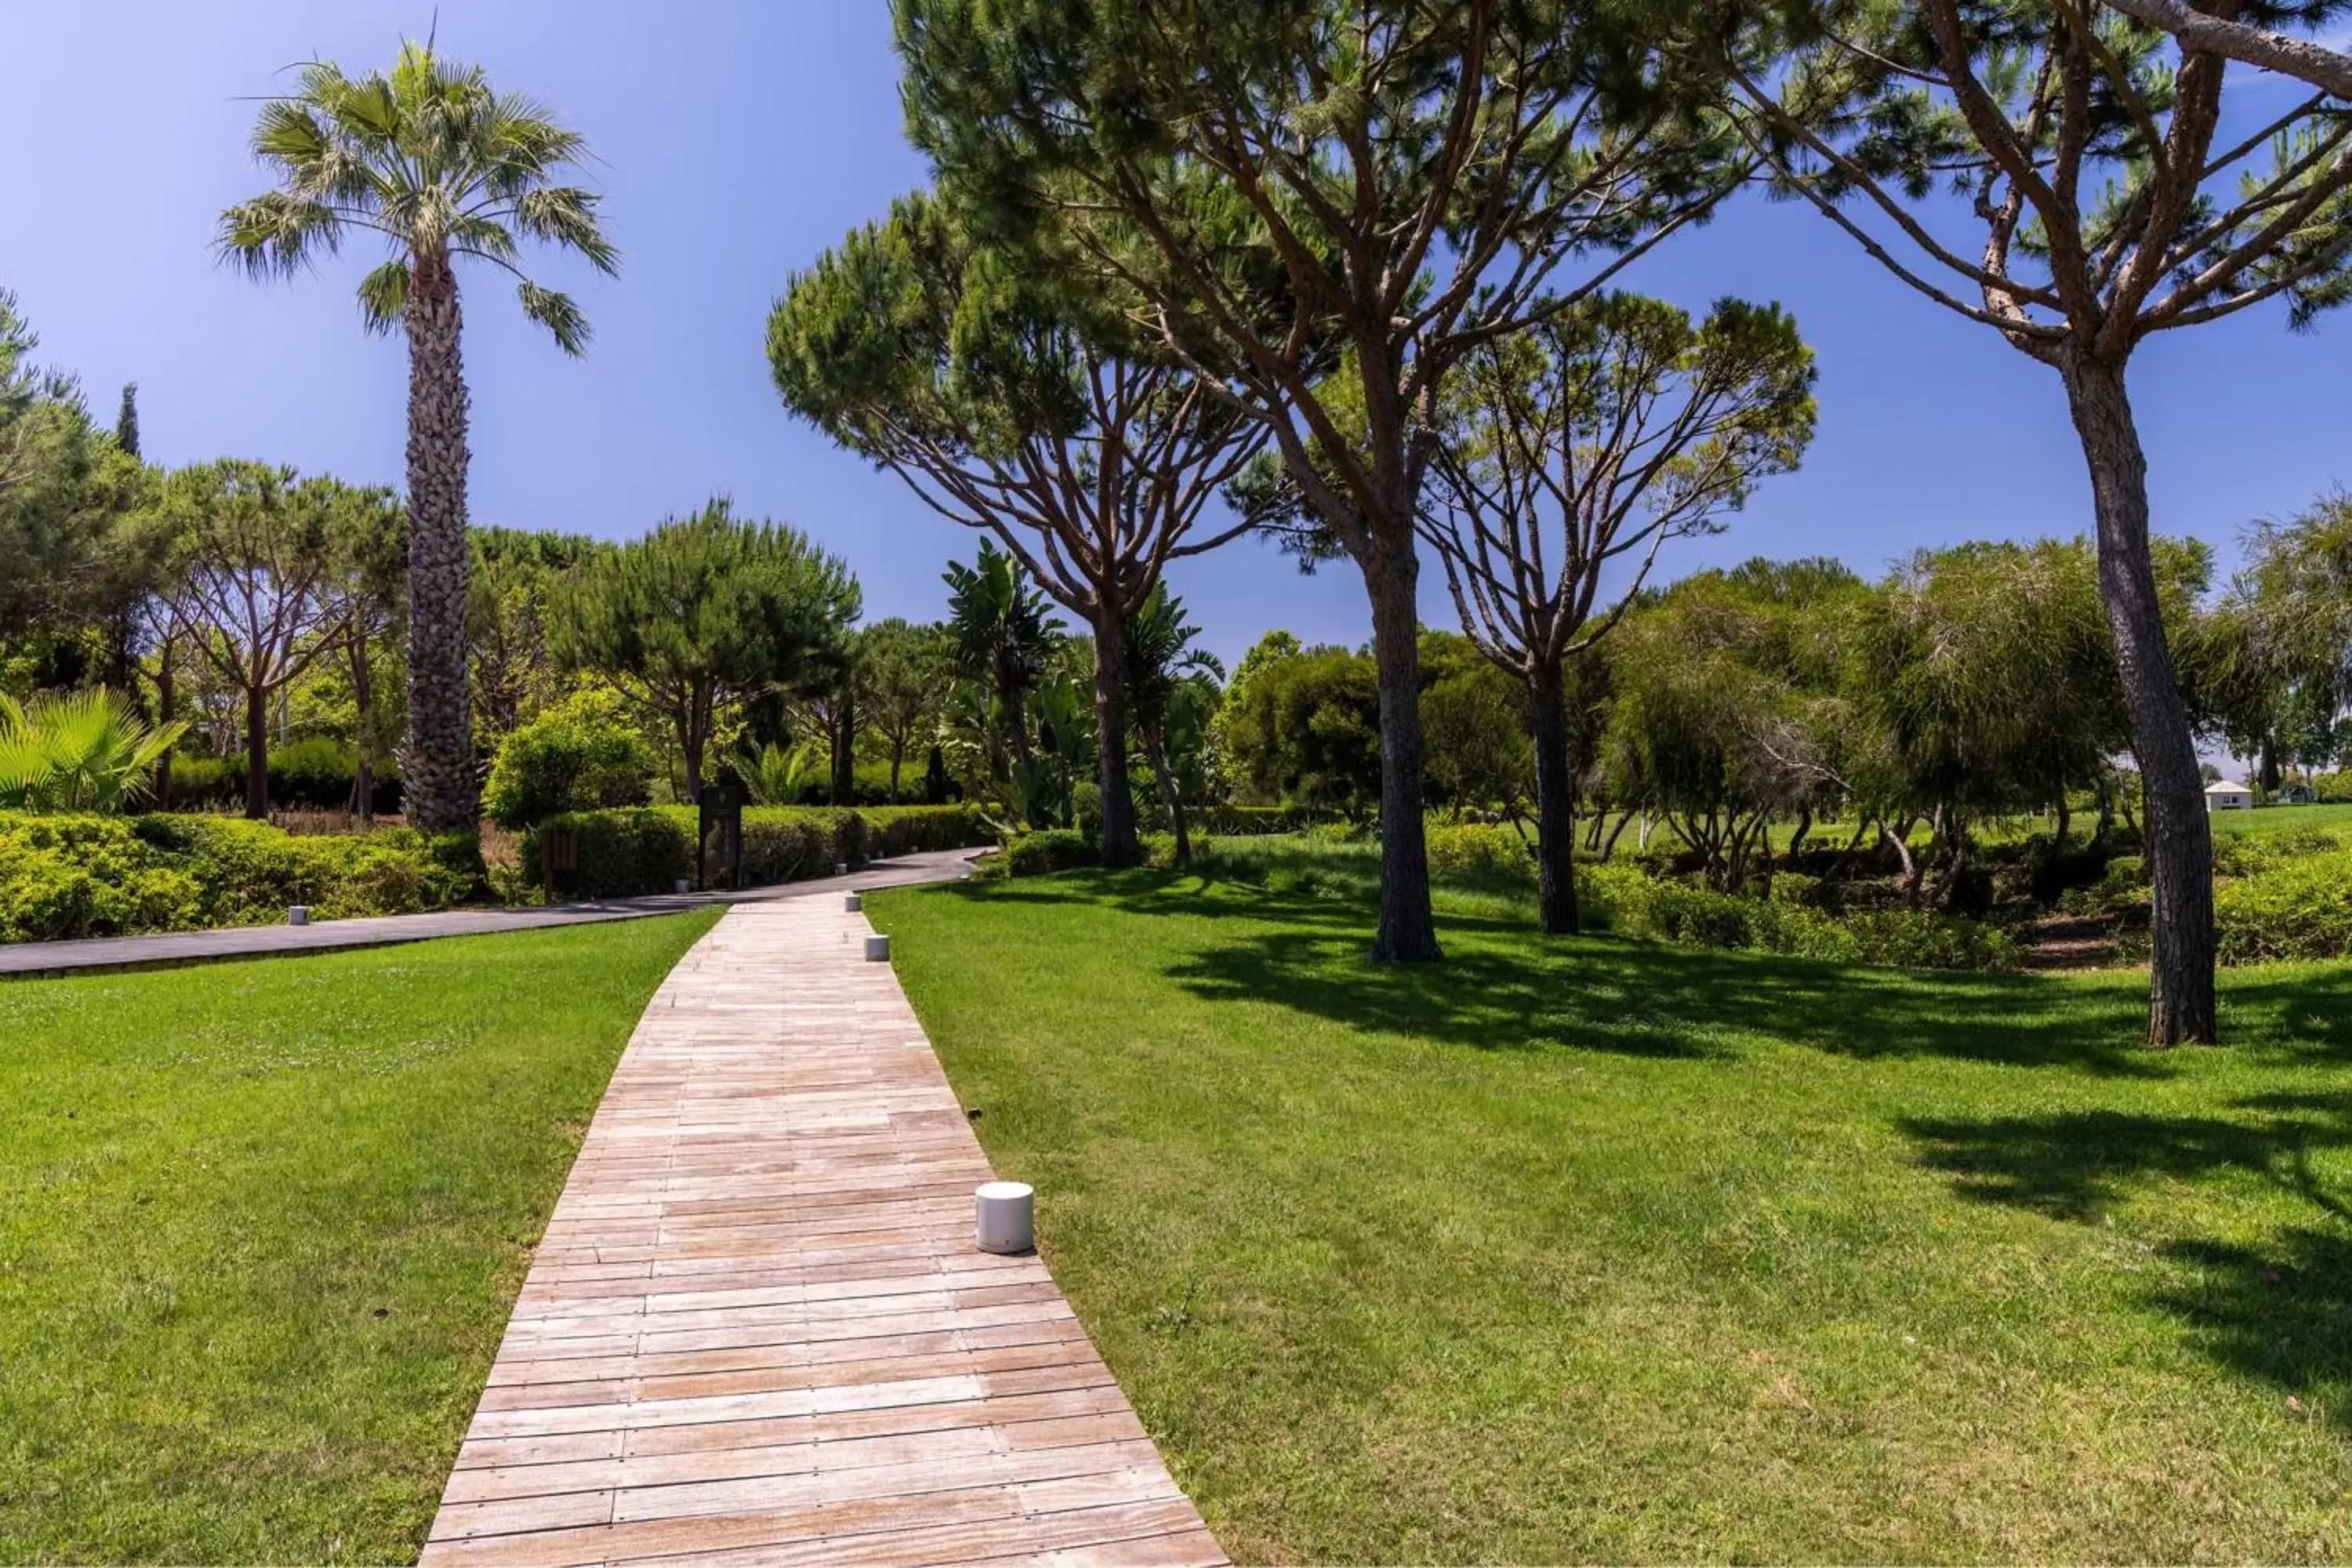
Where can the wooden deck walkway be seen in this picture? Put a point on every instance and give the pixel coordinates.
(758, 1331)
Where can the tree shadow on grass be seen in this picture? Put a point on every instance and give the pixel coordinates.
(2075, 1165)
(2281, 1313)
(2278, 1311)
(1503, 986)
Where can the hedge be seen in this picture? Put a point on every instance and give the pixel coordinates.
(74, 876)
(646, 850)
(2290, 909)
(316, 773)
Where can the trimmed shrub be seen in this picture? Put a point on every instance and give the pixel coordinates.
(67, 877)
(913, 830)
(200, 781)
(645, 849)
(1474, 850)
(579, 755)
(1046, 851)
(2294, 908)
(317, 771)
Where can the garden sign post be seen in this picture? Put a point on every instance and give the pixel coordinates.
(721, 808)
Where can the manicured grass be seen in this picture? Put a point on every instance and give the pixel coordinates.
(2284, 819)
(1599, 1250)
(261, 1225)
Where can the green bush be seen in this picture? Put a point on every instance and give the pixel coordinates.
(317, 771)
(1625, 898)
(2294, 908)
(66, 877)
(1475, 851)
(201, 781)
(580, 754)
(646, 850)
(1046, 850)
(914, 829)
(1244, 821)
(2251, 854)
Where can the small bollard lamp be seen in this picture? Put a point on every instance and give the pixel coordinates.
(1004, 1216)
(852, 902)
(878, 949)
(299, 915)
(841, 867)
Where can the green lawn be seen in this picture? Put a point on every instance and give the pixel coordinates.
(1597, 1251)
(261, 1225)
(2284, 819)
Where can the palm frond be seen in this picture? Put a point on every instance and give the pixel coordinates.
(384, 295)
(555, 310)
(277, 235)
(79, 751)
(566, 216)
(427, 155)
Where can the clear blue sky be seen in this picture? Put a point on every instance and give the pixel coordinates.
(740, 140)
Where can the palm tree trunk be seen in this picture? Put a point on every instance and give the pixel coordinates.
(1120, 847)
(2180, 1007)
(437, 769)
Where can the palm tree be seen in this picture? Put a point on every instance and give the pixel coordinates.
(82, 750)
(441, 167)
(1171, 688)
(779, 775)
(1002, 631)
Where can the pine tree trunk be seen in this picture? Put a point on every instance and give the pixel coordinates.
(166, 694)
(2180, 837)
(1408, 932)
(1555, 804)
(1120, 845)
(898, 756)
(1171, 799)
(844, 749)
(362, 698)
(257, 752)
(693, 735)
(437, 764)
(1610, 848)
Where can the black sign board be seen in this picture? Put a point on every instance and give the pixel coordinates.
(721, 810)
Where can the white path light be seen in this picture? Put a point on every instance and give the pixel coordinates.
(1004, 1214)
(300, 915)
(852, 902)
(878, 949)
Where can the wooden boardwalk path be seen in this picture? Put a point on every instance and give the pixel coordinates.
(758, 1331)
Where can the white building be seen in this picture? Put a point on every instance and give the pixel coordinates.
(2224, 795)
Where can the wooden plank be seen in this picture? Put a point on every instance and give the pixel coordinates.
(757, 1330)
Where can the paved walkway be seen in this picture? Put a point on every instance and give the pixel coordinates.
(758, 1331)
(40, 959)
